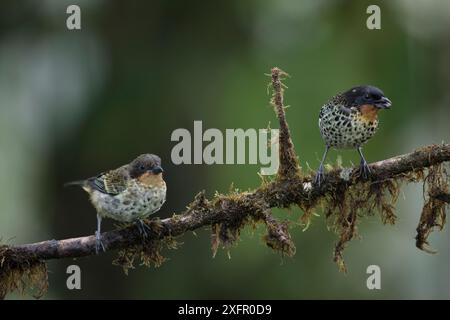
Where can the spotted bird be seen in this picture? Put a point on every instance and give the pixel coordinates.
(127, 194)
(350, 119)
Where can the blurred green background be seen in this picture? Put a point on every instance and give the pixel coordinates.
(74, 103)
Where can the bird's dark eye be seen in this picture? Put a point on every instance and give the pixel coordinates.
(142, 168)
(367, 96)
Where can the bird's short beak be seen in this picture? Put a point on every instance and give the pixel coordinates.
(157, 170)
(383, 103)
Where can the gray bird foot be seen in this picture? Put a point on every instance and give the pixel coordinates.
(319, 176)
(98, 243)
(143, 228)
(364, 170)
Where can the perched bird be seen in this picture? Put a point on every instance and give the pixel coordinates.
(127, 194)
(350, 119)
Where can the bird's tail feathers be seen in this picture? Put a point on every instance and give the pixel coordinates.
(80, 183)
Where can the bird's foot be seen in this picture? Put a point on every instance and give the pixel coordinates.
(143, 228)
(98, 243)
(319, 176)
(364, 170)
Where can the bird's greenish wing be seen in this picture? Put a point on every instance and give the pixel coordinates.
(112, 182)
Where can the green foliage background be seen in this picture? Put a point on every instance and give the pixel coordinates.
(74, 103)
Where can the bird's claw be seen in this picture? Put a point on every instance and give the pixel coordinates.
(364, 170)
(98, 243)
(143, 228)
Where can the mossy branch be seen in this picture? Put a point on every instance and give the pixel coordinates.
(344, 196)
(288, 159)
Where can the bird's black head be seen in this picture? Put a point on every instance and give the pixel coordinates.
(145, 163)
(367, 95)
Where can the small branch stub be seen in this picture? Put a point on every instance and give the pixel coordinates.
(288, 159)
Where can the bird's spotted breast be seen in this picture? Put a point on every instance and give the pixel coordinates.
(136, 202)
(345, 128)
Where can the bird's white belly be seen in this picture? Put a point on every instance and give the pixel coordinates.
(134, 203)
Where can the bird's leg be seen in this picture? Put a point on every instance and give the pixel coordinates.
(143, 228)
(98, 236)
(319, 175)
(364, 169)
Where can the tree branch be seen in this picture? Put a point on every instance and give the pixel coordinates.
(202, 212)
(342, 194)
